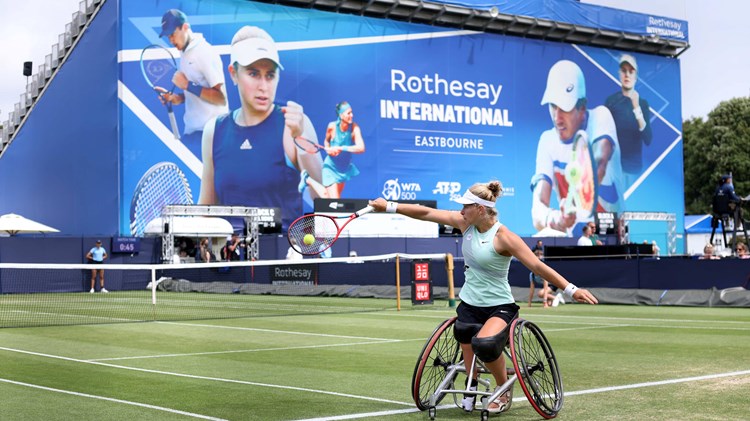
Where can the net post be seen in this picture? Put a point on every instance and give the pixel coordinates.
(153, 286)
(398, 283)
(449, 271)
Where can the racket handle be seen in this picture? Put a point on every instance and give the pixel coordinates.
(173, 123)
(364, 210)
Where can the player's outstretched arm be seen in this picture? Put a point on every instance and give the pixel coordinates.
(423, 213)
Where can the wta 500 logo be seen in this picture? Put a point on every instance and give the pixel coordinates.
(395, 190)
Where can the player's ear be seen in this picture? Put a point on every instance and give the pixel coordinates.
(233, 72)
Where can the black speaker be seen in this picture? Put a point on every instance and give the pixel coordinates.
(166, 228)
(27, 68)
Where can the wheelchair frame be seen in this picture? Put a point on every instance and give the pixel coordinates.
(534, 367)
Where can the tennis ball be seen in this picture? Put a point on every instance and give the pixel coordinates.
(308, 239)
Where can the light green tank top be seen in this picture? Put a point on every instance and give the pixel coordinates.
(485, 271)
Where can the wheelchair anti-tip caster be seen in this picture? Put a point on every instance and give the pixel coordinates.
(432, 411)
(485, 415)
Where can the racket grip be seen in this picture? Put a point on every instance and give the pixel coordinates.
(173, 123)
(366, 209)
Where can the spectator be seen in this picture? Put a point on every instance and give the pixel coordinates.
(545, 293)
(291, 253)
(742, 252)
(233, 249)
(585, 239)
(708, 253)
(204, 251)
(594, 237)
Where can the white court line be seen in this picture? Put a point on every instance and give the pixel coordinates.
(86, 395)
(289, 348)
(523, 398)
(287, 332)
(585, 328)
(216, 379)
(534, 316)
(640, 319)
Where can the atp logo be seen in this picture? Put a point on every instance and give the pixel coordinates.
(395, 190)
(451, 188)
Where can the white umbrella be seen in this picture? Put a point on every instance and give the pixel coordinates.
(16, 224)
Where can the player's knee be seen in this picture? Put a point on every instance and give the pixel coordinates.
(465, 331)
(489, 348)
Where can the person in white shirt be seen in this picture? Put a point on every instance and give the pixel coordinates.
(585, 239)
(291, 253)
(201, 77)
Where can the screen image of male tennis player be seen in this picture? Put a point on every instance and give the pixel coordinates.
(565, 95)
(200, 76)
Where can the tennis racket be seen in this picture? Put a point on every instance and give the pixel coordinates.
(580, 173)
(163, 184)
(325, 230)
(308, 145)
(158, 66)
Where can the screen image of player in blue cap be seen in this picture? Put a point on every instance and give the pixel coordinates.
(200, 76)
(565, 96)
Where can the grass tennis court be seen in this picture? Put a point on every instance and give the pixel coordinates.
(617, 362)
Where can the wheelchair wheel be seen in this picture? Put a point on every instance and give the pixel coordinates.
(537, 368)
(441, 351)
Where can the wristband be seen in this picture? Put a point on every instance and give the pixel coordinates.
(638, 113)
(570, 290)
(391, 207)
(195, 89)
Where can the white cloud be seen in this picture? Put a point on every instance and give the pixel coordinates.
(27, 30)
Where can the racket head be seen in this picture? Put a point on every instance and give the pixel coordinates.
(583, 183)
(158, 65)
(307, 145)
(323, 228)
(163, 184)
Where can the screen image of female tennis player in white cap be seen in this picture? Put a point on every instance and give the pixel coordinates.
(249, 155)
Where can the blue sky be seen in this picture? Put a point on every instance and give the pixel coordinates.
(713, 69)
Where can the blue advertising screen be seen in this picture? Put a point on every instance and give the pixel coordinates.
(432, 111)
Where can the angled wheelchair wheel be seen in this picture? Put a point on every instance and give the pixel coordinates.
(537, 368)
(441, 351)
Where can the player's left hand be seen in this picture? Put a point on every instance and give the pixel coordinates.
(294, 118)
(584, 296)
(634, 98)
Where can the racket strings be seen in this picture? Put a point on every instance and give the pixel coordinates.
(166, 186)
(322, 228)
(157, 70)
(158, 65)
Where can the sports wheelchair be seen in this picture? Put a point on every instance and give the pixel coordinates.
(534, 366)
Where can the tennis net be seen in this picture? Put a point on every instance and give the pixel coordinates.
(58, 294)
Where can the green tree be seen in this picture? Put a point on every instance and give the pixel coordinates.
(717, 146)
